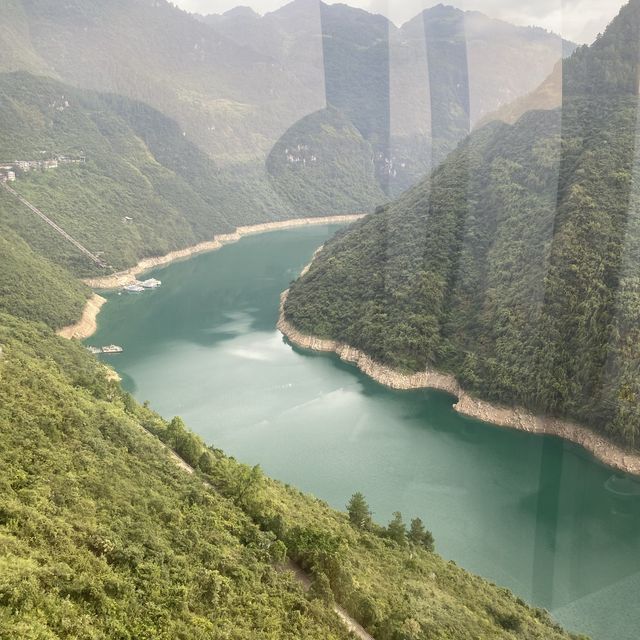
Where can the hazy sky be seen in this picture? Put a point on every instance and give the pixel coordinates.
(578, 20)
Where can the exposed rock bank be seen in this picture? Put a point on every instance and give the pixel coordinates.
(87, 324)
(129, 276)
(513, 417)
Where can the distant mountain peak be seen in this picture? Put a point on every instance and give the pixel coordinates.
(298, 5)
(241, 12)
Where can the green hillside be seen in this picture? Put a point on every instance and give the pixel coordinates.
(138, 166)
(515, 266)
(412, 92)
(235, 84)
(230, 99)
(323, 166)
(102, 535)
(33, 288)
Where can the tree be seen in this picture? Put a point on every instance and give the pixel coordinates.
(419, 536)
(321, 588)
(189, 448)
(207, 461)
(278, 551)
(175, 429)
(129, 403)
(359, 512)
(249, 481)
(397, 530)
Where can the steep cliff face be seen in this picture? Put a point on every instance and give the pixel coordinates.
(515, 265)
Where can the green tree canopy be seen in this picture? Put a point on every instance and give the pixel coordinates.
(359, 512)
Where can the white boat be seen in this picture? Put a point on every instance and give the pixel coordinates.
(112, 348)
(94, 350)
(133, 288)
(151, 283)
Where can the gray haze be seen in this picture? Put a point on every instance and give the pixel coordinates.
(577, 20)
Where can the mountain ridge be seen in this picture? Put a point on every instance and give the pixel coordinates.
(512, 266)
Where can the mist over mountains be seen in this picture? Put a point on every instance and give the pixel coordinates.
(240, 84)
(514, 266)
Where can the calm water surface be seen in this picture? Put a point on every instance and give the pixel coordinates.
(529, 513)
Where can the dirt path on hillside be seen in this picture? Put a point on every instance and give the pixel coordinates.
(300, 575)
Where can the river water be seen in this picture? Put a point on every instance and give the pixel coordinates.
(531, 513)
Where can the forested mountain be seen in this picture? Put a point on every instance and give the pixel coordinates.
(235, 84)
(233, 100)
(412, 92)
(516, 265)
(322, 166)
(143, 190)
(32, 287)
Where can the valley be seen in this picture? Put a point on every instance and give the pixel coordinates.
(317, 423)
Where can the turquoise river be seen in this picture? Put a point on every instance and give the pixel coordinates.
(531, 513)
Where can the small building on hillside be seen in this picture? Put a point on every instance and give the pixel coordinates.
(71, 159)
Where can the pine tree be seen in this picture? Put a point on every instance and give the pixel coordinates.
(419, 536)
(359, 512)
(397, 530)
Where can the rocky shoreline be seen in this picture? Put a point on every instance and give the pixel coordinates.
(518, 418)
(88, 323)
(129, 276)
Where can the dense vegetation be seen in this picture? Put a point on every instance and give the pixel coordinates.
(230, 99)
(31, 287)
(323, 166)
(138, 165)
(236, 83)
(515, 266)
(103, 535)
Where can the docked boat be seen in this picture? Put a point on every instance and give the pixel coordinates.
(151, 283)
(94, 350)
(133, 288)
(112, 348)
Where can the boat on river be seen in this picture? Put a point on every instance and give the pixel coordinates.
(133, 288)
(112, 348)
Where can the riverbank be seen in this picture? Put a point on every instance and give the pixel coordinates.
(518, 418)
(123, 278)
(88, 323)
